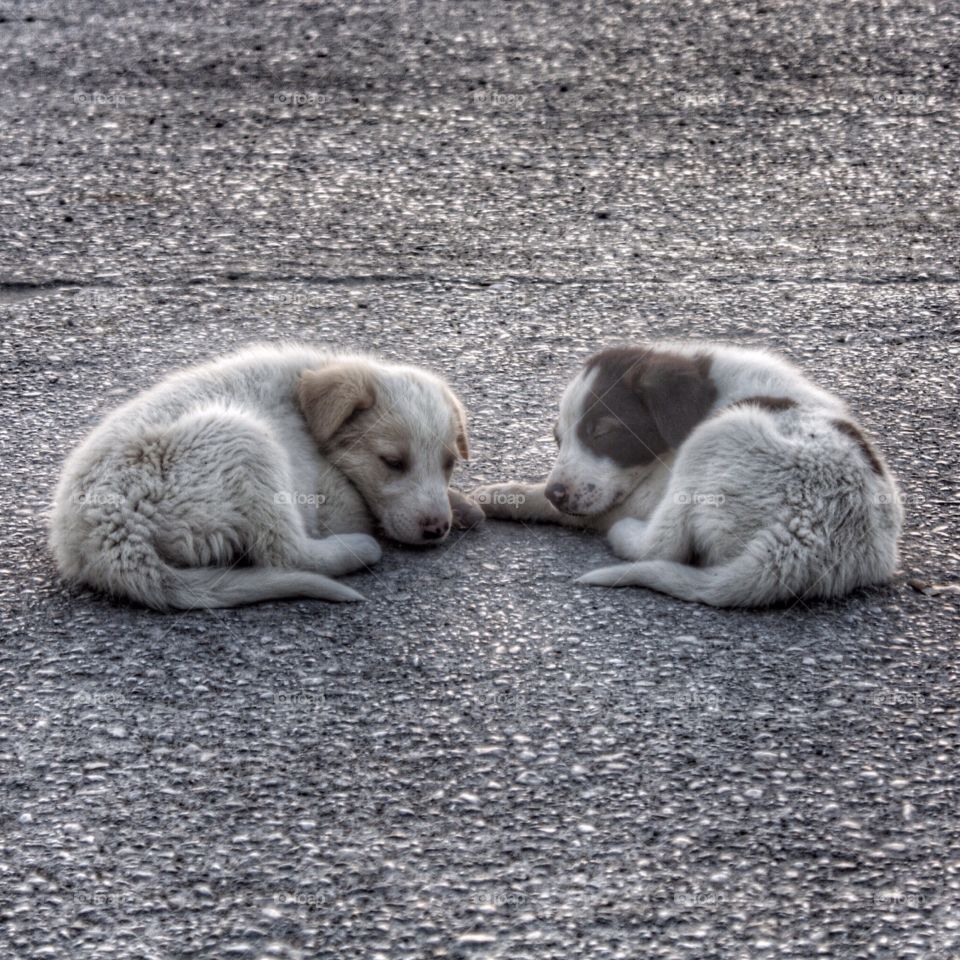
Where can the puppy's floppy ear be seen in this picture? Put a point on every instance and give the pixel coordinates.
(330, 395)
(679, 395)
(463, 447)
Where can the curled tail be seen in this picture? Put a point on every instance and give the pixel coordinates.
(207, 587)
(159, 513)
(136, 571)
(746, 581)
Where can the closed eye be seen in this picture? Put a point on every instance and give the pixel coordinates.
(605, 427)
(394, 463)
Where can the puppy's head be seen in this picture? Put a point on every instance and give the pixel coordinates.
(618, 417)
(396, 433)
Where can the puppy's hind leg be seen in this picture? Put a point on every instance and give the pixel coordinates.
(186, 504)
(234, 501)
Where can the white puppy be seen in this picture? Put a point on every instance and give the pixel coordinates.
(260, 476)
(722, 474)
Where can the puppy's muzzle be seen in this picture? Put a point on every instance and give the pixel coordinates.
(558, 495)
(434, 528)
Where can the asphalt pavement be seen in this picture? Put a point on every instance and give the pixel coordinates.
(483, 760)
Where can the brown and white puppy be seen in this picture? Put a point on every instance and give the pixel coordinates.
(260, 476)
(722, 473)
(396, 433)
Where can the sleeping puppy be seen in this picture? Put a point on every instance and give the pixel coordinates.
(260, 476)
(720, 473)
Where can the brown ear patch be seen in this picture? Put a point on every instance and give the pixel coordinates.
(773, 404)
(643, 402)
(328, 397)
(460, 415)
(856, 435)
(678, 391)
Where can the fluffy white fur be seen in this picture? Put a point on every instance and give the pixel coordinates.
(272, 458)
(753, 507)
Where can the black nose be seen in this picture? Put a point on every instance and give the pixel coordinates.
(556, 493)
(433, 528)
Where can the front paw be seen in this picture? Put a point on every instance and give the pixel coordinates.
(349, 552)
(502, 501)
(466, 513)
(626, 538)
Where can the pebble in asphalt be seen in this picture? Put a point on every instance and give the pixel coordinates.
(483, 760)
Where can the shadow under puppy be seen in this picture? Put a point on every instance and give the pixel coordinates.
(721, 473)
(260, 476)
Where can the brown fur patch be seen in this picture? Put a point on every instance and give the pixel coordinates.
(856, 435)
(329, 396)
(463, 445)
(773, 404)
(643, 402)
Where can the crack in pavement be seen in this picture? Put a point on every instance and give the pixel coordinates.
(13, 290)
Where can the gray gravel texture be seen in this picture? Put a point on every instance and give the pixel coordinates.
(483, 760)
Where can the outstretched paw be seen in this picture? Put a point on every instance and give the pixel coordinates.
(502, 501)
(466, 513)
